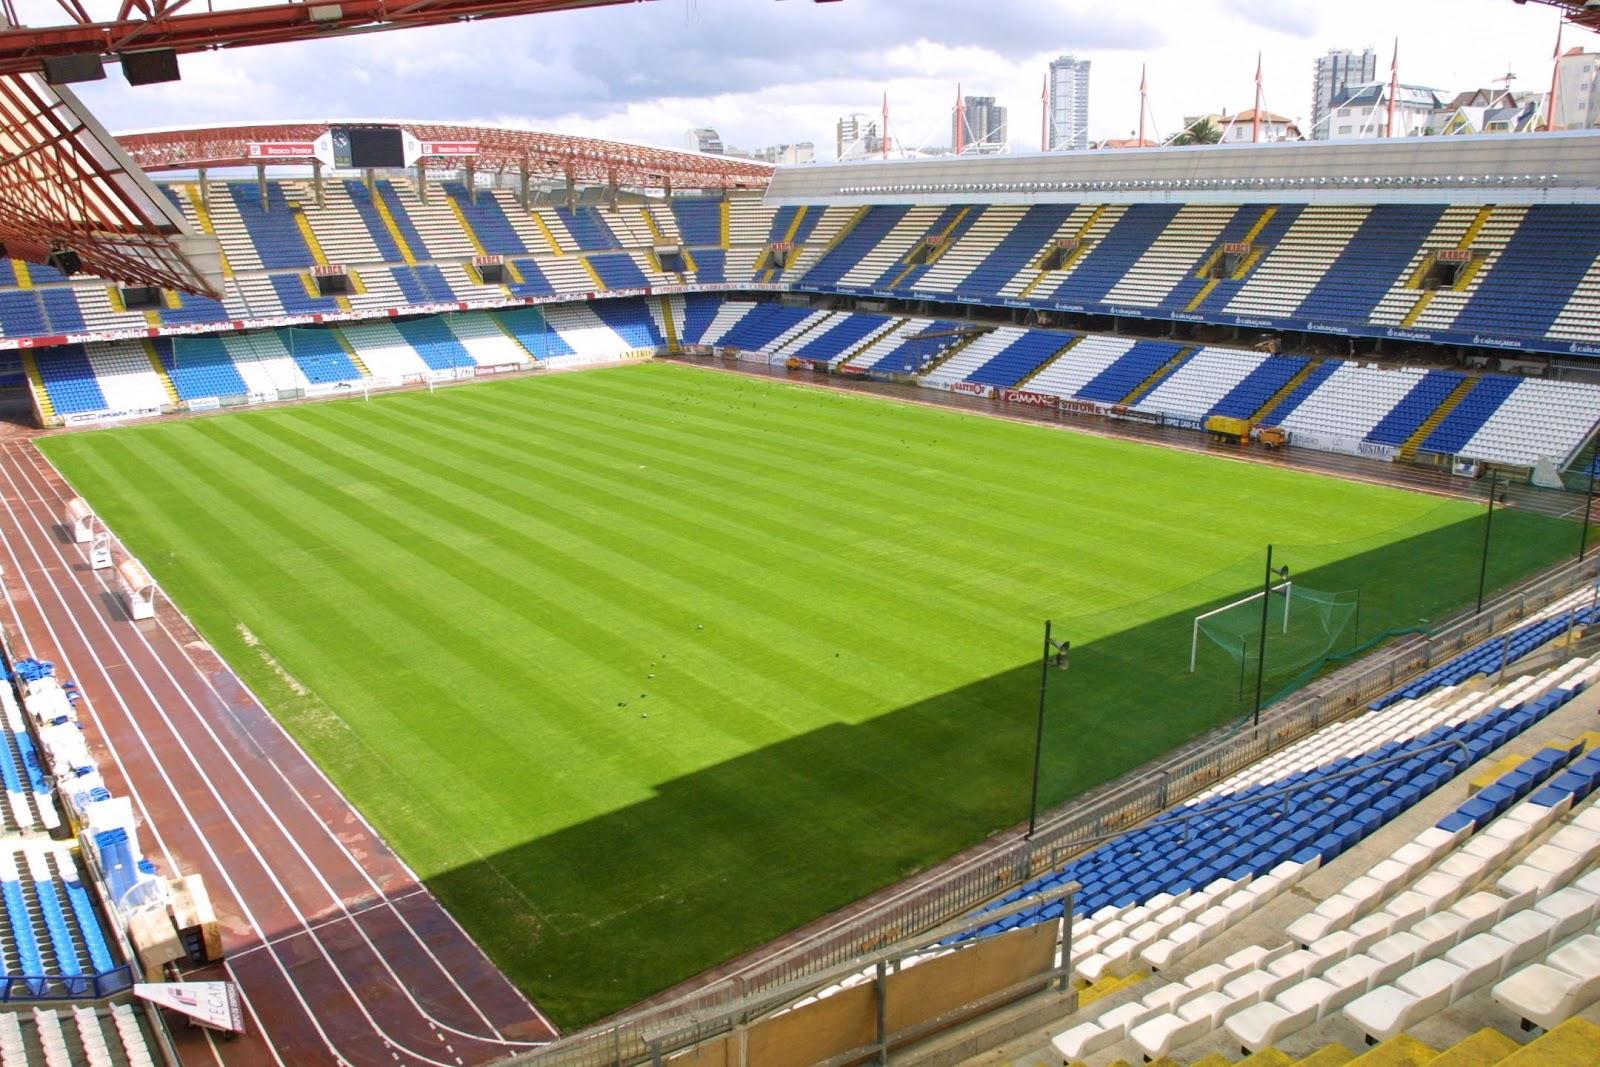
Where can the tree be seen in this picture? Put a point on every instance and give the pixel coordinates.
(1203, 132)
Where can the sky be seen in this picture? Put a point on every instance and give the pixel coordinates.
(763, 72)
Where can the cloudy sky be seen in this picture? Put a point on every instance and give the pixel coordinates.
(765, 72)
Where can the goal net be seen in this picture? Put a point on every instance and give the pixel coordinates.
(1304, 625)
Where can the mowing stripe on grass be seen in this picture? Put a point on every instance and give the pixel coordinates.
(640, 667)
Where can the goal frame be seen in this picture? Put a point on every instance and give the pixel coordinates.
(1287, 588)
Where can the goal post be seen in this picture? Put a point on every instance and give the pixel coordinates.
(1285, 587)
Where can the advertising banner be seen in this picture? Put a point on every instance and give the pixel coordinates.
(1023, 396)
(211, 1004)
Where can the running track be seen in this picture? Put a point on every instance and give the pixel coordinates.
(340, 955)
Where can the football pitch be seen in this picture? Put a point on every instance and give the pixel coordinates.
(641, 667)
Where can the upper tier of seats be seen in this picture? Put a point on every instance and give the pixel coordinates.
(1527, 276)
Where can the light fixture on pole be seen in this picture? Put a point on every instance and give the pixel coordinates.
(1054, 657)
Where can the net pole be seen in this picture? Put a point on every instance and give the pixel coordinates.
(1288, 602)
(1261, 656)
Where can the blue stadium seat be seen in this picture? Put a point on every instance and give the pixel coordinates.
(699, 220)
(271, 225)
(1114, 383)
(632, 321)
(1020, 358)
(588, 228)
(487, 220)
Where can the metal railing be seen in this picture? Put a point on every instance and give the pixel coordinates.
(1070, 829)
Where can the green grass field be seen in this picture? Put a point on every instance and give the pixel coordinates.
(642, 667)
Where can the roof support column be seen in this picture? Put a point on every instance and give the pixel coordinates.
(261, 185)
(472, 183)
(205, 194)
(612, 190)
(316, 180)
(372, 189)
(572, 189)
(422, 183)
(523, 174)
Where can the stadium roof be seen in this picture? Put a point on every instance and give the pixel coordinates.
(1559, 167)
(1577, 12)
(500, 150)
(70, 195)
(112, 27)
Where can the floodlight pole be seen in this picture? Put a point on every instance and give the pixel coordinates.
(1060, 650)
(1588, 503)
(1488, 527)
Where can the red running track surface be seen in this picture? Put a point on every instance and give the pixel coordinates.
(340, 954)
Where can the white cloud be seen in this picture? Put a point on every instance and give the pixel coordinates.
(764, 73)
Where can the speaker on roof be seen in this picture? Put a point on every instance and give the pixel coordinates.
(62, 70)
(65, 260)
(148, 68)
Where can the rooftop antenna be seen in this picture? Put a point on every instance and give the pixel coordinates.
(1505, 79)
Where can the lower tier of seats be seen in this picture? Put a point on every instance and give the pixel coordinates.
(1341, 406)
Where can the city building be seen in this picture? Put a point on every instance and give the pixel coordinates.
(856, 137)
(1362, 111)
(1488, 111)
(1068, 123)
(704, 139)
(980, 126)
(1577, 104)
(787, 155)
(1336, 72)
(1131, 141)
(1239, 128)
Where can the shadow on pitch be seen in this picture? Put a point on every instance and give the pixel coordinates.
(729, 857)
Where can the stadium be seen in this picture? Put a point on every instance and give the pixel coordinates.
(481, 595)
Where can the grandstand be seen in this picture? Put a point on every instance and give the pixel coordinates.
(1441, 314)
(1061, 281)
